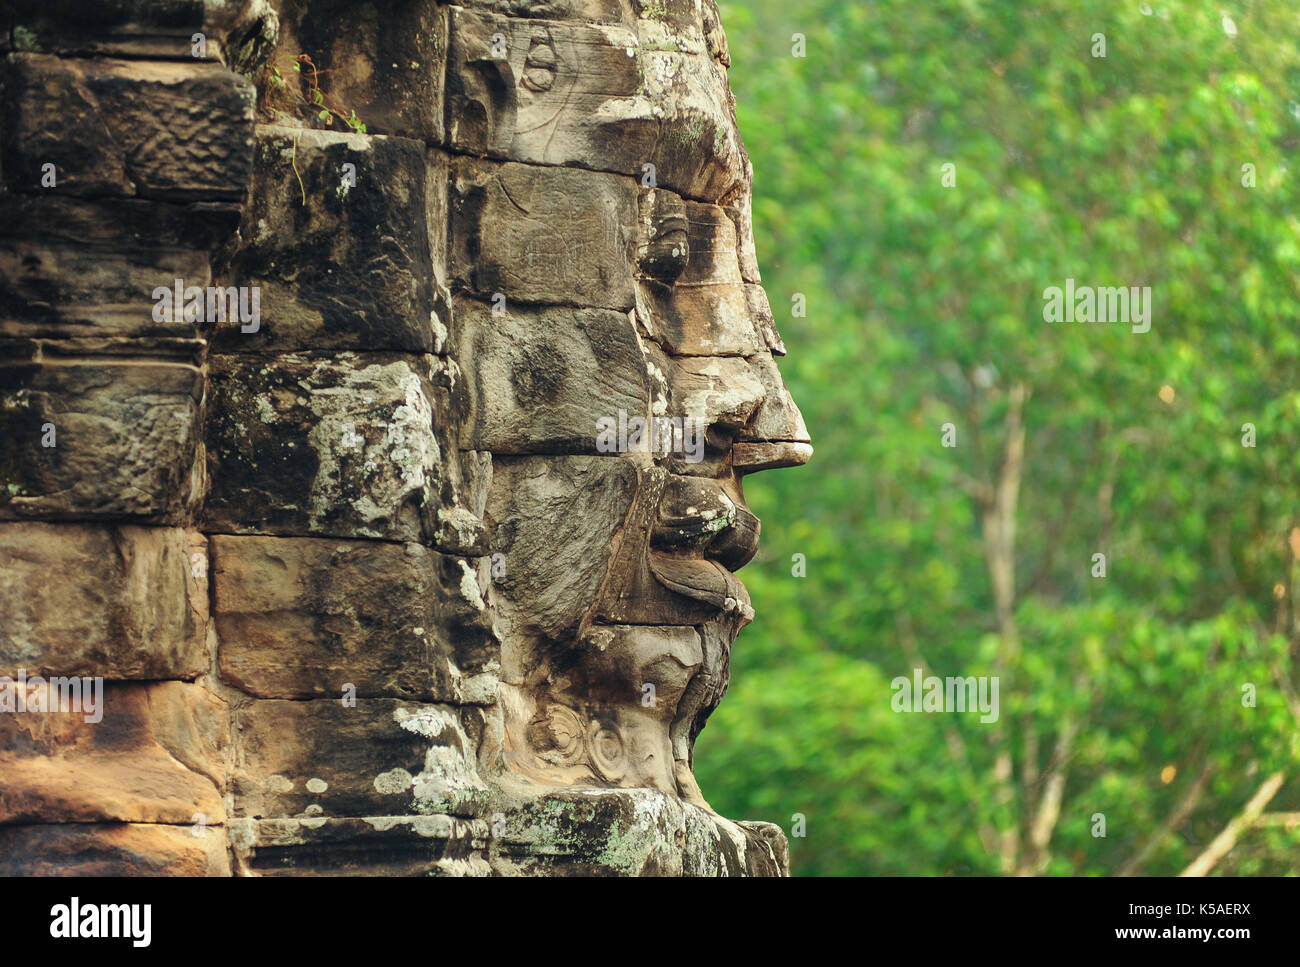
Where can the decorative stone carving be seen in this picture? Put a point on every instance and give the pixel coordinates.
(416, 554)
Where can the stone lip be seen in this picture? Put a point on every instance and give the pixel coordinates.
(703, 580)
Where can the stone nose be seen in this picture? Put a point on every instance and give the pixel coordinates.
(776, 435)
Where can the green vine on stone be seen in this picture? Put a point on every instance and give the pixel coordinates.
(316, 97)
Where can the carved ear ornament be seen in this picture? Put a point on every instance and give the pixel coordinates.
(541, 65)
(561, 737)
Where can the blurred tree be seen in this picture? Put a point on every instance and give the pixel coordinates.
(1159, 699)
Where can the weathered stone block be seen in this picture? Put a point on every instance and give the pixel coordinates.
(611, 98)
(721, 391)
(129, 602)
(168, 131)
(698, 320)
(154, 757)
(158, 28)
(318, 759)
(711, 239)
(542, 235)
(556, 522)
(343, 257)
(588, 720)
(311, 617)
(71, 268)
(130, 849)
(699, 306)
(341, 445)
(98, 436)
(147, 29)
(538, 380)
(385, 61)
(632, 832)
(589, 11)
(372, 846)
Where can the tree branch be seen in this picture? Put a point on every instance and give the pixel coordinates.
(1226, 840)
(1174, 822)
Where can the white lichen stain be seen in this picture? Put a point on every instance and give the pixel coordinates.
(469, 587)
(351, 439)
(393, 782)
(439, 332)
(447, 780)
(398, 454)
(480, 689)
(628, 849)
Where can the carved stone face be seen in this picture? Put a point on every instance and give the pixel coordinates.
(430, 569)
(618, 352)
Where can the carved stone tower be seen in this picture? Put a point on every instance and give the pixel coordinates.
(377, 382)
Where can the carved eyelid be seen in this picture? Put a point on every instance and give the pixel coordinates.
(671, 223)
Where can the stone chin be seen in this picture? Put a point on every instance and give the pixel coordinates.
(624, 707)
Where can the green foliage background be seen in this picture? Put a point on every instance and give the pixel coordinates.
(1120, 695)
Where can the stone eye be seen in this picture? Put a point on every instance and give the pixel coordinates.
(665, 249)
(668, 250)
